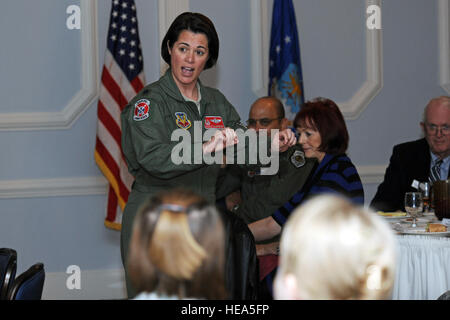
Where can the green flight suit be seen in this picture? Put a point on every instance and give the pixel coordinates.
(148, 122)
(262, 195)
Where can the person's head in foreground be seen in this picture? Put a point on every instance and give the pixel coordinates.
(332, 249)
(177, 248)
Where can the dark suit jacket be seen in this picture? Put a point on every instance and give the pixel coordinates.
(409, 161)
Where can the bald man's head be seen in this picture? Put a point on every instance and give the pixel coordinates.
(267, 113)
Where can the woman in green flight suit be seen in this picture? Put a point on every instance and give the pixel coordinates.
(178, 100)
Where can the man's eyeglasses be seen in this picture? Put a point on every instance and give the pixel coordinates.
(433, 129)
(263, 122)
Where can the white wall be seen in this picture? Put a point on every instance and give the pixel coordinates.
(52, 195)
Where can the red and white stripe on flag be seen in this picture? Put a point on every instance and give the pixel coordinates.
(122, 78)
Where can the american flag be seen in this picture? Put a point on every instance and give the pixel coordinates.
(122, 79)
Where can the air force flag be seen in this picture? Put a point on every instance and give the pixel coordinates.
(285, 72)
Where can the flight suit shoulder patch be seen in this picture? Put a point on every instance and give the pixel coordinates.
(141, 110)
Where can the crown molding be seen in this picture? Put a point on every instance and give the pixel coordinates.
(351, 108)
(65, 118)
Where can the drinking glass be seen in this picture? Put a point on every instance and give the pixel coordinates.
(425, 188)
(413, 205)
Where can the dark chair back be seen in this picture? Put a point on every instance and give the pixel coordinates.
(8, 267)
(241, 264)
(29, 285)
(445, 296)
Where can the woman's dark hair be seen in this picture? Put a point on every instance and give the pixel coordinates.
(197, 23)
(324, 116)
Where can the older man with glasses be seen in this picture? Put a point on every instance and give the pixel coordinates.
(424, 160)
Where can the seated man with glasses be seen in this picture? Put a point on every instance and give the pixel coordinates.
(250, 193)
(424, 160)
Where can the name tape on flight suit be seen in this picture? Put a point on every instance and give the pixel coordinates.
(214, 122)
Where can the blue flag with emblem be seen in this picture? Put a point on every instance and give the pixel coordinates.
(285, 72)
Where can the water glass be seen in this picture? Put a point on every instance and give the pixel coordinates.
(413, 205)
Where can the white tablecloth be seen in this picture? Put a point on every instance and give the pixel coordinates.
(423, 268)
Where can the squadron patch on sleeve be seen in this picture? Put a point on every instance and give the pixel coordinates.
(141, 110)
(182, 120)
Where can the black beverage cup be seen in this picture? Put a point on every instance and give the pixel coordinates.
(441, 199)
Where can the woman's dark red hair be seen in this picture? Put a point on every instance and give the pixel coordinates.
(324, 116)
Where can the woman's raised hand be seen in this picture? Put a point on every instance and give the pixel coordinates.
(220, 140)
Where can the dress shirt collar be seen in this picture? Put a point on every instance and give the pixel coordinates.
(444, 165)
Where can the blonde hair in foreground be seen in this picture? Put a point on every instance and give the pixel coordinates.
(177, 247)
(332, 249)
